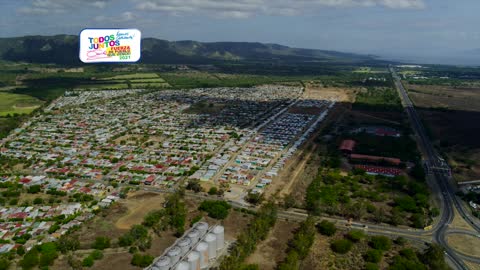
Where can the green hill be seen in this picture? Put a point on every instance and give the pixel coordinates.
(63, 49)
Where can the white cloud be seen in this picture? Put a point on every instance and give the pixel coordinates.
(248, 8)
(43, 7)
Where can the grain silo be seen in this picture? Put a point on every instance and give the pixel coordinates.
(185, 244)
(202, 248)
(219, 232)
(194, 260)
(211, 240)
(202, 227)
(163, 263)
(174, 254)
(182, 266)
(194, 235)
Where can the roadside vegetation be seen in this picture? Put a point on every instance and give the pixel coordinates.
(246, 242)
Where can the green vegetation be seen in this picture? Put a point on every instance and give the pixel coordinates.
(351, 196)
(215, 209)
(373, 255)
(142, 260)
(355, 235)
(246, 242)
(11, 103)
(299, 246)
(101, 243)
(381, 243)
(173, 216)
(326, 228)
(137, 236)
(341, 246)
(378, 98)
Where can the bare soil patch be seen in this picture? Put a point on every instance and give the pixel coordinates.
(138, 205)
(316, 91)
(465, 244)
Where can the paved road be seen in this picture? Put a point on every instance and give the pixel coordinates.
(439, 180)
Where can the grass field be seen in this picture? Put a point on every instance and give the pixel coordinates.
(132, 76)
(450, 113)
(438, 96)
(11, 103)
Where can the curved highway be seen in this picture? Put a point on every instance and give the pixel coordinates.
(439, 180)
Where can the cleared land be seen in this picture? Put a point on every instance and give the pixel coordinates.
(138, 205)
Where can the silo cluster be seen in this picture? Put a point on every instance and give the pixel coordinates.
(194, 250)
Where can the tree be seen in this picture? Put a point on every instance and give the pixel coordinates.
(68, 243)
(341, 246)
(326, 228)
(101, 243)
(355, 235)
(215, 209)
(254, 198)
(38, 201)
(373, 255)
(194, 185)
(213, 191)
(34, 189)
(4, 264)
(371, 266)
(96, 254)
(74, 263)
(153, 218)
(141, 260)
(48, 254)
(433, 257)
(88, 261)
(20, 250)
(289, 201)
(30, 259)
(381, 243)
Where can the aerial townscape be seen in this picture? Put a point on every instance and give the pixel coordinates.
(122, 150)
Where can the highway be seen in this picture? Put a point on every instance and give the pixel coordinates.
(439, 179)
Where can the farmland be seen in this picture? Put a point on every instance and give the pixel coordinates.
(11, 103)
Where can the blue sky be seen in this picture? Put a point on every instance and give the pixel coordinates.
(426, 30)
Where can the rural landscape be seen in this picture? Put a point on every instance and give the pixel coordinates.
(234, 155)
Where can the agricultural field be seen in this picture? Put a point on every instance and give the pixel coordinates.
(11, 103)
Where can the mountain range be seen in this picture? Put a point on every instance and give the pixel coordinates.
(63, 49)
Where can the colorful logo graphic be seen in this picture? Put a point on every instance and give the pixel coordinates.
(110, 45)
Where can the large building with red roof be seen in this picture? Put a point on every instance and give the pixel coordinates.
(347, 146)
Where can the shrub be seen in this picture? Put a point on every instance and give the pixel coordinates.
(88, 261)
(355, 235)
(326, 228)
(213, 191)
(341, 246)
(101, 242)
(381, 243)
(97, 254)
(373, 255)
(371, 266)
(215, 209)
(141, 260)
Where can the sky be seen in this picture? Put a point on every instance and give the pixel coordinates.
(429, 31)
